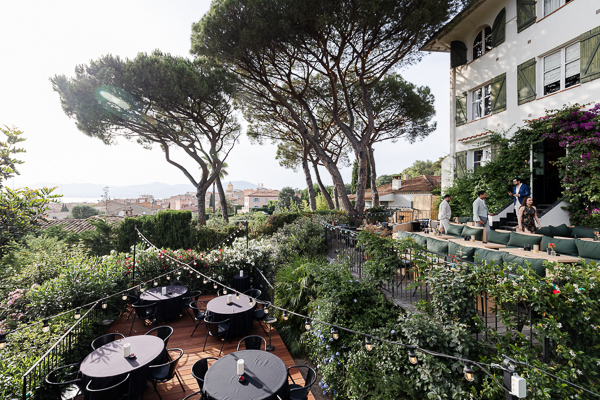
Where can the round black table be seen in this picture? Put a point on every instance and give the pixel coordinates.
(241, 283)
(107, 366)
(240, 313)
(265, 373)
(168, 306)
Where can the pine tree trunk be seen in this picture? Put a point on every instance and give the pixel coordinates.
(222, 200)
(309, 184)
(373, 177)
(200, 195)
(322, 187)
(337, 200)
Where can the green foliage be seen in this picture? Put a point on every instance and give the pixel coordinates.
(495, 177)
(64, 208)
(302, 237)
(20, 209)
(83, 211)
(426, 167)
(277, 221)
(383, 180)
(355, 177)
(577, 130)
(383, 260)
(172, 229)
(286, 198)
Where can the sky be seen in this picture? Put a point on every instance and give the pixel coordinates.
(41, 39)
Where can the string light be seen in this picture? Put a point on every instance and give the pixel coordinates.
(237, 295)
(335, 333)
(205, 281)
(266, 307)
(286, 316)
(168, 277)
(104, 305)
(215, 285)
(251, 301)
(77, 313)
(155, 283)
(224, 291)
(307, 324)
(124, 297)
(46, 326)
(469, 374)
(412, 356)
(368, 344)
(2, 340)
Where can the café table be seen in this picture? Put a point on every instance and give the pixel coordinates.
(241, 283)
(169, 305)
(240, 313)
(431, 235)
(561, 258)
(106, 365)
(265, 377)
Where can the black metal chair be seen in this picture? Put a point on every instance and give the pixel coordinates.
(298, 392)
(115, 391)
(253, 293)
(199, 394)
(252, 342)
(144, 312)
(132, 298)
(218, 329)
(104, 339)
(189, 299)
(164, 332)
(199, 370)
(199, 309)
(259, 316)
(165, 372)
(65, 381)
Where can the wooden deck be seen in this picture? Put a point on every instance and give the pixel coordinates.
(192, 347)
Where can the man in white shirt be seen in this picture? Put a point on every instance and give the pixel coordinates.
(481, 213)
(445, 212)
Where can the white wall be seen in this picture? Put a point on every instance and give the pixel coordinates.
(556, 216)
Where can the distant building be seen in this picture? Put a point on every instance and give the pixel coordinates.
(403, 192)
(258, 198)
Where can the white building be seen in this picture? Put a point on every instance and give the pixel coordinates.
(511, 60)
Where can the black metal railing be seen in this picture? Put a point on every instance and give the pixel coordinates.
(409, 283)
(60, 353)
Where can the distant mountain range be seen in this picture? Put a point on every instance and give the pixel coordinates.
(156, 189)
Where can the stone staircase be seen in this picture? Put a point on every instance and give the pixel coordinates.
(510, 223)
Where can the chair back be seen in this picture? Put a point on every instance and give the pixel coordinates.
(104, 339)
(164, 332)
(144, 311)
(166, 372)
(191, 297)
(253, 293)
(199, 307)
(311, 376)
(252, 342)
(213, 326)
(65, 378)
(115, 391)
(199, 370)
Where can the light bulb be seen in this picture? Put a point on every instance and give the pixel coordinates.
(215, 285)
(237, 295)
(469, 374)
(224, 291)
(2, 341)
(46, 326)
(266, 308)
(251, 301)
(412, 357)
(77, 313)
(104, 305)
(335, 333)
(286, 316)
(124, 297)
(307, 324)
(368, 344)
(155, 283)
(168, 277)
(204, 281)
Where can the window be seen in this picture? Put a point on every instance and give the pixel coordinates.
(482, 43)
(481, 102)
(561, 69)
(256, 200)
(477, 157)
(552, 5)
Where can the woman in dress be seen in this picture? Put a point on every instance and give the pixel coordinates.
(528, 216)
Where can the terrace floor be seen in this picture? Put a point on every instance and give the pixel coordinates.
(192, 347)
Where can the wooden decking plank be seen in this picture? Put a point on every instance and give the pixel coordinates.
(192, 347)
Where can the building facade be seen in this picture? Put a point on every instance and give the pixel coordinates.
(510, 61)
(258, 198)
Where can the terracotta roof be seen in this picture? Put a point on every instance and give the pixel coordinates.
(420, 184)
(78, 225)
(474, 136)
(262, 193)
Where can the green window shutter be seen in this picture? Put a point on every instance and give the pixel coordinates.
(526, 81)
(499, 94)
(495, 149)
(458, 53)
(589, 46)
(499, 28)
(525, 14)
(461, 109)
(461, 164)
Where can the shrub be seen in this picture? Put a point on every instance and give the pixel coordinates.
(304, 236)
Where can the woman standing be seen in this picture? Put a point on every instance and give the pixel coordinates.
(528, 216)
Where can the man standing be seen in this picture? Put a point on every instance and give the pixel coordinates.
(481, 213)
(520, 190)
(445, 212)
